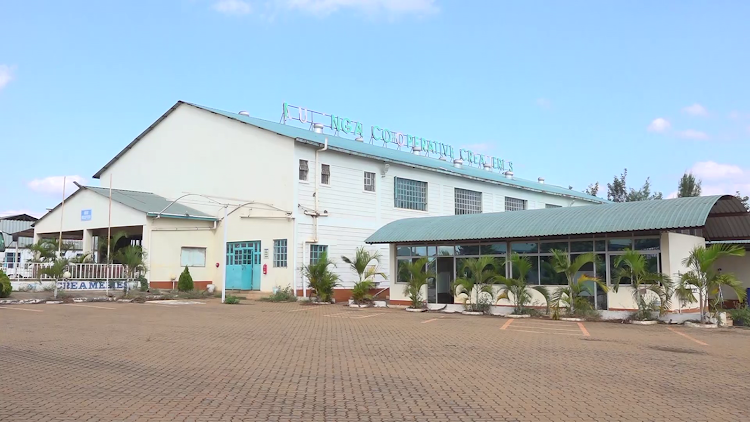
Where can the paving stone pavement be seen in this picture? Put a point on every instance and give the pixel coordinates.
(291, 362)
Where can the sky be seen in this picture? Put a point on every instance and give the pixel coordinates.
(572, 91)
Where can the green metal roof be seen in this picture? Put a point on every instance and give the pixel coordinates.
(365, 149)
(151, 204)
(590, 219)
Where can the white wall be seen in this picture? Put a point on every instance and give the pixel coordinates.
(740, 267)
(674, 248)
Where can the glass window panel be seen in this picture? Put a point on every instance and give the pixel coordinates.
(279, 253)
(403, 251)
(601, 267)
(652, 263)
(494, 249)
(467, 250)
(547, 247)
(586, 267)
(431, 250)
(532, 277)
(445, 250)
(619, 244)
(549, 276)
(582, 246)
(369, 181)
(419, 251)
(402, 273)
(600, 245)
(514, 204)
(317, 252)
(193, 257)
(410, 194)
(524, 247)
(647, 244)
(467, 201)
(613, 272)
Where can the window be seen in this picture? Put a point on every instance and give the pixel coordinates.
(552, 206)
(468, 201)
(410, 194)
(316, 252)
(514, 204)
(279, 253)
(11, 259)
(303, 169)
(325, 174)
(193, 257)
(369, 181)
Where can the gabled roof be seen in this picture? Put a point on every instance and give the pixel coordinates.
(721, 217)
(365, 149)
(19, 217)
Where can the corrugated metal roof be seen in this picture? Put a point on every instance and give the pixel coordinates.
(374, 151)
(151, 204)
(610, 218)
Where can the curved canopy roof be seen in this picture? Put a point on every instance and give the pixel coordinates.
(721, 217)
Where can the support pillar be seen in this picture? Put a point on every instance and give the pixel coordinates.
(88, 242)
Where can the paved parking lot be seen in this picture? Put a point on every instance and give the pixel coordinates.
(289, 362)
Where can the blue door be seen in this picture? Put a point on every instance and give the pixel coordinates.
(243, 265)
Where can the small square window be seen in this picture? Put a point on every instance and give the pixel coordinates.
(279, 253)
(193, 257)
(303, 170)
(514, 204)
(325, 174)
(369, 181)
(467, 201)
(317, 252)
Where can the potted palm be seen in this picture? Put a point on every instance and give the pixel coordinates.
(652, 292)
(416, 277)
(133, 257)
(517, 290)
(366, 273)
(707, 280)
(477, 278)
(573, 296)
(320, 279)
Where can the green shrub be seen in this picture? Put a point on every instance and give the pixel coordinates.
(320, 279)
(741, 316)
(361, 291)
(5, 286)
(185, 284)
(142, 283)
(282, 295)
(231, 300)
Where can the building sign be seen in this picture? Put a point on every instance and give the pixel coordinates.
(90, 285)
(342, 125)
(85, 215)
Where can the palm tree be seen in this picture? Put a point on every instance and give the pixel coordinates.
(134, 260)
(416, 277)
(320, 279)
(570, 295)
(477, 277)
(56, 271)
(366, 272)
(634, 266)
(517, 288)
(45, 250)
(705, 278)
(81, 259)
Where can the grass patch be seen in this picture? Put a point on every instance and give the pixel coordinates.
(192, 294)
(231, 300)
(282, 295)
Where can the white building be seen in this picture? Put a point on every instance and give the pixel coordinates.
(290, 194)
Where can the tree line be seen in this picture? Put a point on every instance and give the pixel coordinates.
(618, 191)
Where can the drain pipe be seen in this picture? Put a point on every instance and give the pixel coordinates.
(317, 184)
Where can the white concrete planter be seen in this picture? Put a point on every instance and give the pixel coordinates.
(572, 319)
(354, 305)
(53, 302)
(320, 303)
(699, 325)
(31, 301)
(436, 306)
(211, 288)
(475, 313)
(125, 300)
(453, 308)
(416, 309)
(80, 300)
(380, 304)
(517, 316)
(652, 322)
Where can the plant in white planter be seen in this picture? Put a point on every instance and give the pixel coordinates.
(652, 291)
(366, 273)
(704, 277)
(516, 289)
(477, 276)
(320, 279)
(574, 295)
(416, 275)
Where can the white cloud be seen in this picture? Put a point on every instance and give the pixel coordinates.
(544, 102)
(693, 134)
(696, 110)
(326, 7)
(53, 185)
(6, 74)
(233, 7)
(659, 125)
(711, 170)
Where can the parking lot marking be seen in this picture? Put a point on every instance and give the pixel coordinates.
(507, 323)
(366, 316)
(20, 309)
(687, 336)
(584, 330)
(542, 332)
(300, 310)
(337, 315)
(86, 306)
(541, 327)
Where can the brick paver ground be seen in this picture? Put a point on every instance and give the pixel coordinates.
(289, 362)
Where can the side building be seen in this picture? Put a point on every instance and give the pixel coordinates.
(289, 194)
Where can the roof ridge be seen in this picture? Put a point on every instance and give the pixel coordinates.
(117, 189)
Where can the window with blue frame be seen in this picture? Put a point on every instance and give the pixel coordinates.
(279, 253)
(316, 252)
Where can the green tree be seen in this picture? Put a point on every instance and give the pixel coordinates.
(45, 250)
(617, 191)
(55, 270)
(416, 276)
(185, 283)
(688, 186)
(744, 200)
(571, 294)
(634, 267)
(133, 257)
(5, 287)
(593, 189)
(703, 276)
(517, 289)
(320, 278)
(360, 264)
(476, 276)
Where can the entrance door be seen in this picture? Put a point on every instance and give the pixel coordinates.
(445, 274)
(243, 265)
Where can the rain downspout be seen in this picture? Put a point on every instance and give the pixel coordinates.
(317, 183)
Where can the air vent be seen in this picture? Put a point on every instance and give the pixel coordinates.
(244, 113)
(318, 128)
(359, 139)
(508, 174)
(458, 163)
(416, 149)
(540, 180)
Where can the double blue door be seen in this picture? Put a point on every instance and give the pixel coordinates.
(243, 265)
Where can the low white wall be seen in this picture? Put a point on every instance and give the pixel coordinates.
(68, 286)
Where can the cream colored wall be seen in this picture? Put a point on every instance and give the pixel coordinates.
(122, 216)
(740, 267)
(164, 239)
(676, 247)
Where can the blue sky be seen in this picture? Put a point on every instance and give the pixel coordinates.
(573, 91)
